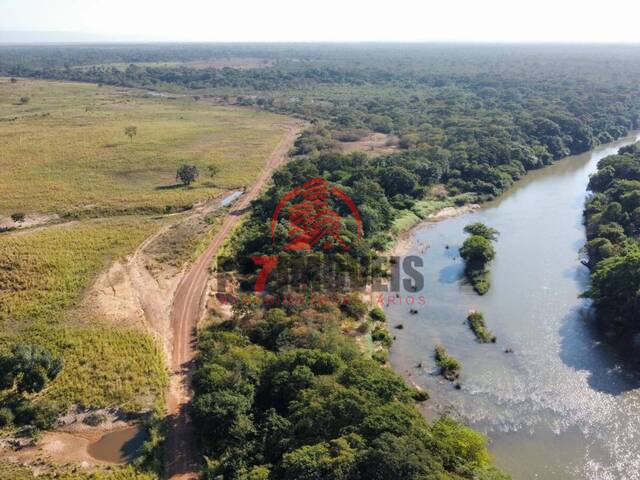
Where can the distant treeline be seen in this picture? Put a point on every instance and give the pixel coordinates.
(492, 112)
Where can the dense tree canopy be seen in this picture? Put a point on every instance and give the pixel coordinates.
(612, 215)
(25, 371)
(280, 395)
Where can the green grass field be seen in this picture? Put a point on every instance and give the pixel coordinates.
(65, 149)
(16, 472)
(43, 273)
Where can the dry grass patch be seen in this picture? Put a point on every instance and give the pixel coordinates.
(65, 149)
(43, 273)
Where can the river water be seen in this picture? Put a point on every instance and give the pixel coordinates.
(565, 404)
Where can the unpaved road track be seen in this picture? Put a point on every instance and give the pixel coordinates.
(187, 309)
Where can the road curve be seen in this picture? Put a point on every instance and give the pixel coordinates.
(187, 309)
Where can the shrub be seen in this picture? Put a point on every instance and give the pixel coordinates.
(17, 217)
(354, 307)
(380, 356)
(419, 394)
(382, 336)
(94, 419)
(377, 314)
(24, 100)
(6, 417)
(41, 415)
(477, 325)
(449, 366)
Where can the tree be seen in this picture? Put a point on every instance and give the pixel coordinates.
(28, 368)
(398, 180)
(14, 80)
(187, 174)
(482, 230)
(477, 250)
(17, 217)
(615, 289)
(131, 131)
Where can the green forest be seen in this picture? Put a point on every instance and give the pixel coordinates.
(612, 216)
(282, 394)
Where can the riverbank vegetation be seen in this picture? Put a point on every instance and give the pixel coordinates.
(612, 216)
(280, 393)
(479, 328)
(449, 366)
(477, 251)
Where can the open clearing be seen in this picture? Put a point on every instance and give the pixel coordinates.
(65, 149)
(373, 144)
(43, 274)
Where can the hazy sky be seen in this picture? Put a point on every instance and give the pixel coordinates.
(332, 20)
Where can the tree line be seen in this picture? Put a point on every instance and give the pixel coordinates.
(612, 217)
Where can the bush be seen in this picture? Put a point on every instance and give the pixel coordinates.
(380, 356)
(477, 325)
(449, 366)
(41, 415)
(6, 417)
(377, 314)
(382, 336)
(354, 307)
(17, 217)
(94, 419)
(24, 100)
(419, 394)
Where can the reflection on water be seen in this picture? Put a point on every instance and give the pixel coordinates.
(120, 446)
(564, 405)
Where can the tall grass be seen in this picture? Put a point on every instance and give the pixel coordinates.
(43, 274)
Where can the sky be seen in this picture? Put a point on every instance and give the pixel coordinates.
(571, 21)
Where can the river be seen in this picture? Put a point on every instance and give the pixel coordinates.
(564, 405)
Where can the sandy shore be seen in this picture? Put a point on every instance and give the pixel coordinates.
(406, 240)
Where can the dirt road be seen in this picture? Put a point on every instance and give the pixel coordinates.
(187, 309)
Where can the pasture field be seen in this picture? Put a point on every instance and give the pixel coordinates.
(63, 148)
(17, 472)
(43, 273)
(103, 367)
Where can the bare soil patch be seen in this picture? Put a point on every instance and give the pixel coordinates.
(32, 220)
(374, 144)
